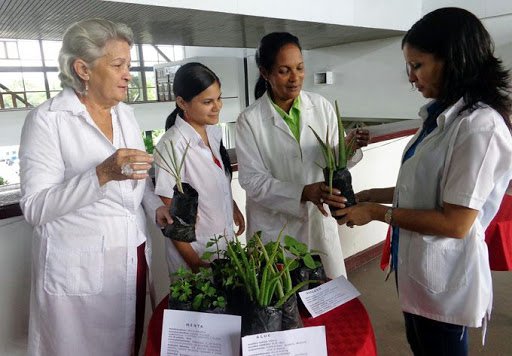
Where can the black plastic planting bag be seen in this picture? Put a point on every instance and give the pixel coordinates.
(261, 319)
(300, 274)
(341, 180)
(179, 305)
(291, 315)
(184, 215)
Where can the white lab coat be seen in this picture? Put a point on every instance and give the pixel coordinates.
(84, 255)
(215, 208)
(465, 161)
(274, 168)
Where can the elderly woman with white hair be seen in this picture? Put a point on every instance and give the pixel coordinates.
(85, 191)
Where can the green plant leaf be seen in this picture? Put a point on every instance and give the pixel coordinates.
(309, 261)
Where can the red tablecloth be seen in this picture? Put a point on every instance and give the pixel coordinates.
(348, 330)
(499, 237)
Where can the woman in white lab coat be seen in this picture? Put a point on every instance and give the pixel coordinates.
(278, 154)
(207, 167)
(454, 173)
(85, 191)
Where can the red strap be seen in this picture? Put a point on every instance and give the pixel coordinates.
(386, 251)
(217, 162)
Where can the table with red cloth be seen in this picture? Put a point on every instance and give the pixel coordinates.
(499, 237)
(348, 330)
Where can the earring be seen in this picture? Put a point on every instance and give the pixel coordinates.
(86, 88)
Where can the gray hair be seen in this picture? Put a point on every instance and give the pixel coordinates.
(86, 40)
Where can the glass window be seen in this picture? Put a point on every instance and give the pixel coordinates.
(30, 53)
(7, 101)
(12, 50)
(134, 54)
(3, 50)
(151, 86)
(135, 88)
(36, 98)
(150, 55)
(53, 80)
(13, 81)
(51, 53)
(179, 53)
(34, 81)
(168, 51)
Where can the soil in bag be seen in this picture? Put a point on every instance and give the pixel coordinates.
(261, 319)
(184, 215)
(341, 180)
(291, 315)
(179, 305)
(300, 274)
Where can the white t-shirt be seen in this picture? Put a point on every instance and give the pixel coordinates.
(215, 208)
(465, 161)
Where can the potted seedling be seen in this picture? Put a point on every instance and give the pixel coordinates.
(195, 292)
(185, 198)
(267, 287)
(180, 290)
(306, 265)
(336, 173)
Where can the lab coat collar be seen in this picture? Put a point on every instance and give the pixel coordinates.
(191, 135)
(271, 113)
(67, 100)
(447, 116)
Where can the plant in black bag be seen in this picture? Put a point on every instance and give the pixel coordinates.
(336, 173)
(195, 292)
(184, 201)
(223, 272)
(305, 266)
(267, 286)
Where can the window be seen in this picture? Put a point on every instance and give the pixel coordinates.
(29, 71)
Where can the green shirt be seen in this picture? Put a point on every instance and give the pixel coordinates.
(293, 118)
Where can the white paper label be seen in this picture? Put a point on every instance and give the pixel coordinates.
(200, 334)
(297, 342)
(328, 296)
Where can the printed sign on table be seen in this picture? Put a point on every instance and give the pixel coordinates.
(328, 296)
(200, 334)
(304, 342)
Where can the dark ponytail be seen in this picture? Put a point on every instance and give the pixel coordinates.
(225, 160)
(171, 119)
(269, 47)
(190, 80)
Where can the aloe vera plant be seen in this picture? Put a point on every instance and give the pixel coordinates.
(256, 267)
(335, 160)
(172, 165)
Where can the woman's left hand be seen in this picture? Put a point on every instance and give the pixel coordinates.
(360, 214)
(238, 218)
(163, 216)
(362, 137)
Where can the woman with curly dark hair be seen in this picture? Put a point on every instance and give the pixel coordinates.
(454, 173)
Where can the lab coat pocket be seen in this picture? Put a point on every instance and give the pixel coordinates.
(437, 263)
(74, 267)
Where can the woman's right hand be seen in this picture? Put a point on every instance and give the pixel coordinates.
(319, 194)
(112, 168)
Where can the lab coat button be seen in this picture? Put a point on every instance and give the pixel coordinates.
(131, 217)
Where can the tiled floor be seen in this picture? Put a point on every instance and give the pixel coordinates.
(381, 302)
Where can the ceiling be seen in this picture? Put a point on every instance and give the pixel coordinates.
(48, 19)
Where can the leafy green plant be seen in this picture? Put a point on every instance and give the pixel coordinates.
(197, 289)
(149, 144)
(181, 288)
(257, 268)
(301, 251)
(2, 181)
(175, 166)
(336, 160)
